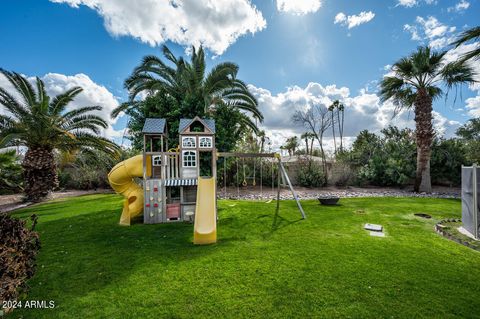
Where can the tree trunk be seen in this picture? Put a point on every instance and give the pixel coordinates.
(424, 137)
(306, 146)
(311, 146)
(334, 140)
(40, 173)
(324, 159)
(340, 129)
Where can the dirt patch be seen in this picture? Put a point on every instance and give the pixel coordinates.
(423, 215)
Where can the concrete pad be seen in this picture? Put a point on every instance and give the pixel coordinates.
(373, 227)
(377, 234)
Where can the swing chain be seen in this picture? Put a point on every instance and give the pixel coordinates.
(244, 183)
(254, 183)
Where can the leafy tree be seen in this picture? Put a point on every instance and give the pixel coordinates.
(160, 105)
(228, 120)
(385, 160)
(43, 125)
(470, 135)
(416, 82)
(448, 156)
(470, 130)
(85, 169)
(469, 35)
(365, 146)
(10, 172)
(196, 92)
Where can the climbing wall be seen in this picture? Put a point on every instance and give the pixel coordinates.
(153, 201)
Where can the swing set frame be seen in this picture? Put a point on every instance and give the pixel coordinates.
(282, 174)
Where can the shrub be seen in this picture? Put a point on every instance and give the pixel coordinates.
(385, 160)
(342, 174)
(10, 173)
(18, 249)
(448, 156)
(310, 173)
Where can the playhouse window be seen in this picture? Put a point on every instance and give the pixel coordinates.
(157, 161)
(188, 141)
(189, 159)
(205, 142)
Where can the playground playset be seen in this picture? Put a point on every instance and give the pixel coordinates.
(179, 184)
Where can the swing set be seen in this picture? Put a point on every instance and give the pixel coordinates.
(282, 179)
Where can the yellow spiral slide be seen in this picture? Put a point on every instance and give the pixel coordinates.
(121, 178)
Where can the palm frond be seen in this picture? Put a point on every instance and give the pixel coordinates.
(467, 35)
(22, 85)
(59, 102)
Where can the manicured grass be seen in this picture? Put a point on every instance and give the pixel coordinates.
(265, 265)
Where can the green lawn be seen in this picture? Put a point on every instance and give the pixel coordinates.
(265, 265)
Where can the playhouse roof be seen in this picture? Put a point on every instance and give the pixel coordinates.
(154, 126)
(184, 123)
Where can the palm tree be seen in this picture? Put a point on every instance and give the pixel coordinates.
(291, 145)
(191, 85)
(42, 125)
(416, 82)
(332, 108)
(305, 137)
(263, 137)
(341, 110)
(472, 34)
(308, 137)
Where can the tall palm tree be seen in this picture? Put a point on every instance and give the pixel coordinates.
(332, 109)
(305, 137)
(472, 34)
(340, 121)
(263, 138)
(43, 125)
(190, 84)
(418, 80)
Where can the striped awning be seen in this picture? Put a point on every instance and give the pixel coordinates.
(181, 182)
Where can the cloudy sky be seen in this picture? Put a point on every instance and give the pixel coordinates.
(291, 52)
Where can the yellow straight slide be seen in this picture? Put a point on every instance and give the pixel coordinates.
(121, 178)
(205, 228)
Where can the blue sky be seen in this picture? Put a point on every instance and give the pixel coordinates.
(291, 52)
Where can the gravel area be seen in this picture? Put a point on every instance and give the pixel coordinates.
(349, 192)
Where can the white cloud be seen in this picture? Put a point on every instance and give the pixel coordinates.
(473, 106)
(412, 3)
(460, 6)
(92, 94)
(407, 3)
(431, 31)
(353, 20)
(363, 111)
(299, 7)
(215, 24)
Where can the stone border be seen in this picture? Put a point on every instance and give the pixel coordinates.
(440, 229)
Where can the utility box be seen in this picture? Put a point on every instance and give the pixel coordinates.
(470, 199)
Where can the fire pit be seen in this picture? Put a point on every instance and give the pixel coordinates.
(328, 200)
